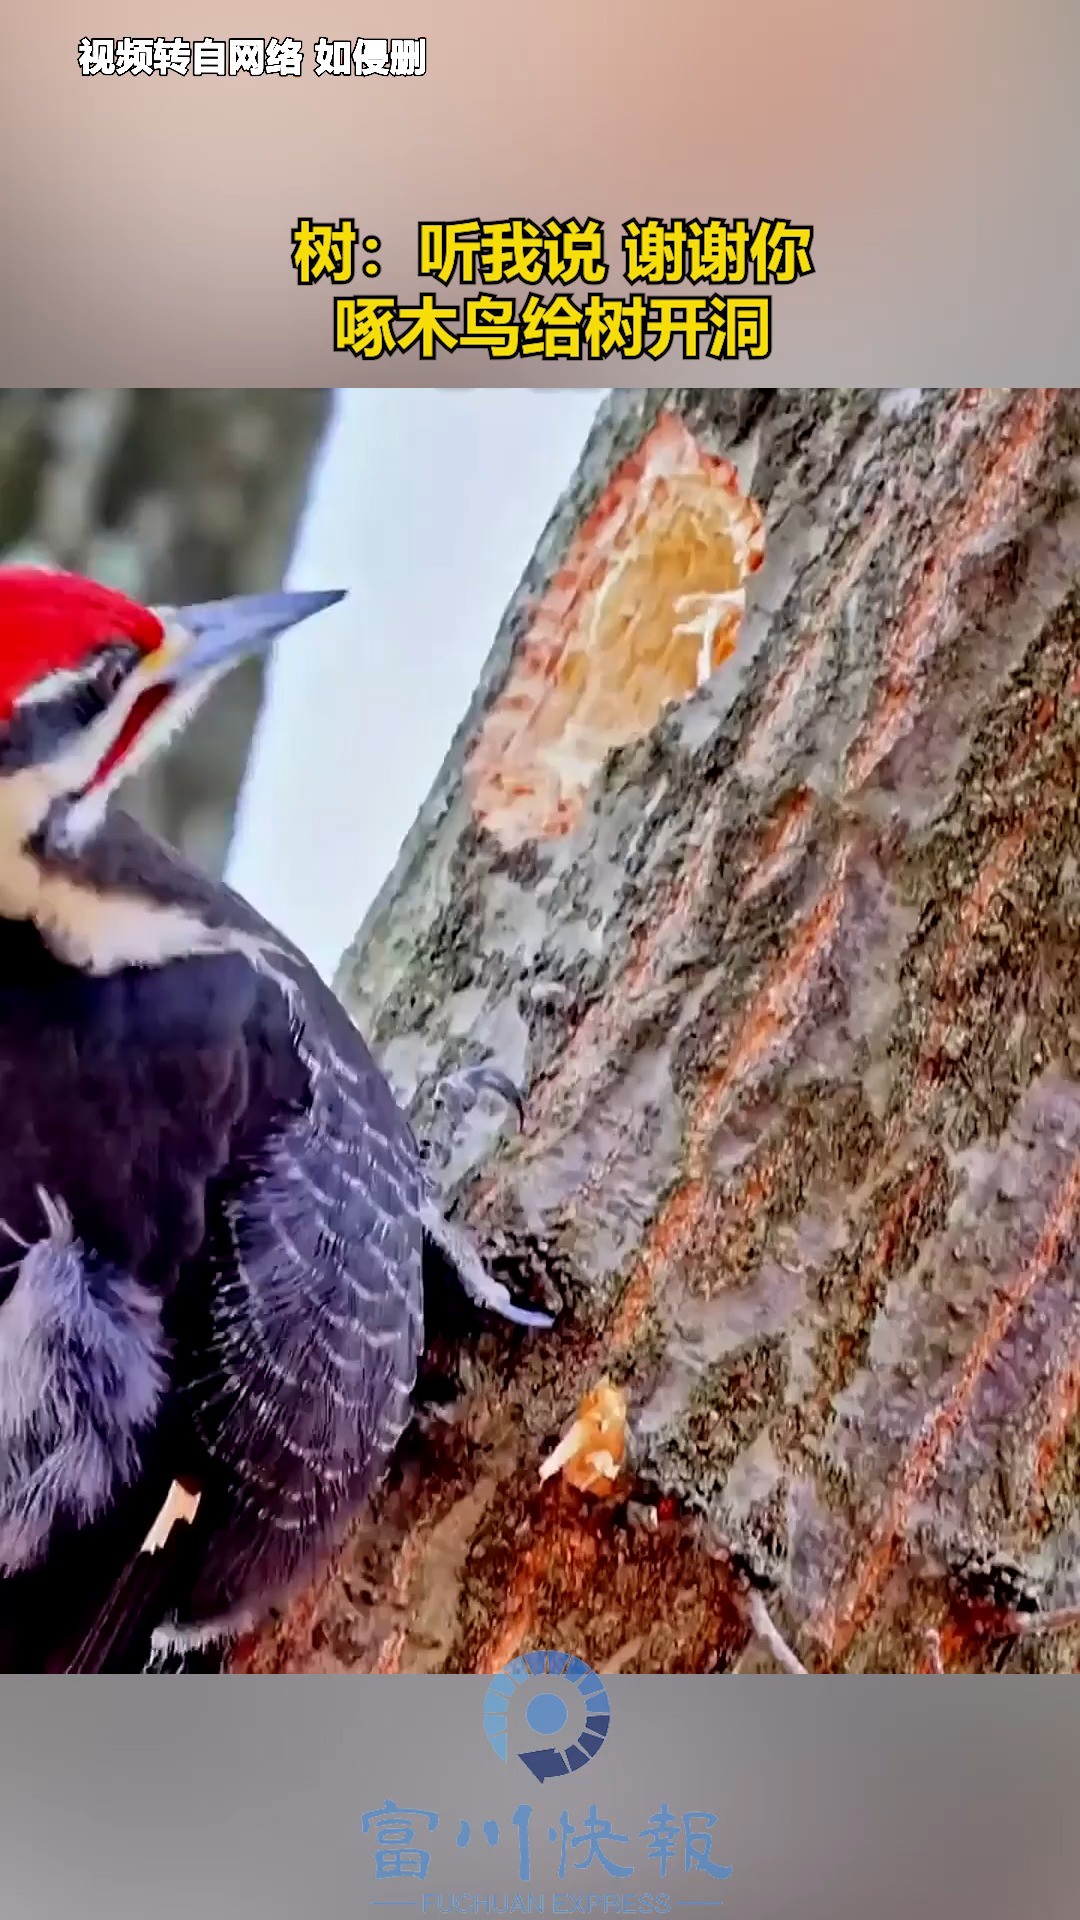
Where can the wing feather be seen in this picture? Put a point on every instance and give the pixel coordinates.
(315, 1321)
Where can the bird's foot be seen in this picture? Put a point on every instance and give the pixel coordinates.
(1024, 1625)
(455, 1097)
(458, 1251)
(768, 1634)
(460, 1091)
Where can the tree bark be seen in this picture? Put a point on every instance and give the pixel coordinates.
(169, 496)
(786, 963)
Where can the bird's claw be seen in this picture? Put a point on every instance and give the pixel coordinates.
(768, 1634)
(499, 1301)
(472, 1275)
(492, 1294)
(457, 1094)
(459, 1091)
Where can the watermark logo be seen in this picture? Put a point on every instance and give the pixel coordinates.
(571, 1717)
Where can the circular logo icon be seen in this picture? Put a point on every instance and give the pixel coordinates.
(570, 1718)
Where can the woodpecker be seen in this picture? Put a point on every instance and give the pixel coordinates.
(214, 1216)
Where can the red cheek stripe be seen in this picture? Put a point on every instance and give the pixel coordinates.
(145, 707)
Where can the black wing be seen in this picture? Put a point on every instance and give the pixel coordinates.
(309, 1326)
(224, 1143)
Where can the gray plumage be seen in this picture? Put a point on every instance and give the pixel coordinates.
(82, 1377)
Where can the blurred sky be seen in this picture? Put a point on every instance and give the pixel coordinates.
(427, 506)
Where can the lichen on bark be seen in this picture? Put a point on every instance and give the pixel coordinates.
(793, 997)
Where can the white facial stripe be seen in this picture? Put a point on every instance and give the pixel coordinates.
(104, 932)
(74, 766)
(84, 816)
(28, 795)
(56, 684)
(99, 932)
(71, 770)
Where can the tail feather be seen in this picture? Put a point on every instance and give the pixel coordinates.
(93, 1602)
(120, 1638)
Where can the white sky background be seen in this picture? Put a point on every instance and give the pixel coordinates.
(427, 506)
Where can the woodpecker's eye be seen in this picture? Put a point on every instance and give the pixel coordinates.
(116, 664)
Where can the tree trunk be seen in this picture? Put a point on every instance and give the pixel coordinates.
(787, 965)
(168, 496)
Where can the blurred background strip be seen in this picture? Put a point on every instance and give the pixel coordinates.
(427, 506)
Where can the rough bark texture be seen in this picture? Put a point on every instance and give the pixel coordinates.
(168, 496)
(792, 983)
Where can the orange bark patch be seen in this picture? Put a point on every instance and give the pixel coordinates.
(564, 1550)
(668, 1237)
(771, 1019)
(601, 1031)
(994, 497)
(794, 679)
(774, 1011)
(1060, 1403)
(896, 1236)
(1000, 863)
(840, 1623)
(615, 1596)
(269, 1649)
(645, 607)
(901, 1217)
(779, 842)
(1044, 716)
